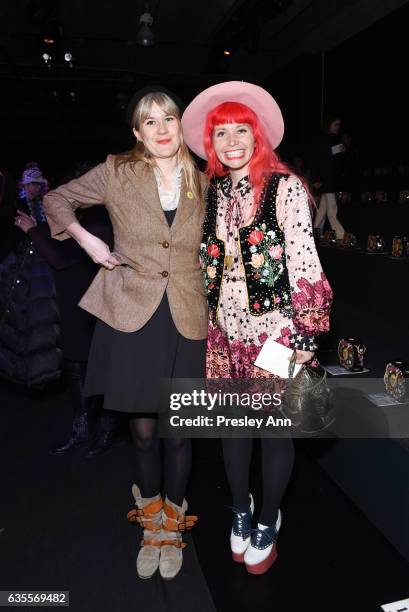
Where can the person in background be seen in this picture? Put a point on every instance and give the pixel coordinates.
(74, 271)
(33, 187)
(349, 167)
(8, 194)
(324, 175)
(29, 319)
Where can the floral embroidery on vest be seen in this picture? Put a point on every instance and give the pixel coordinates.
(211, 260)
(262, 247)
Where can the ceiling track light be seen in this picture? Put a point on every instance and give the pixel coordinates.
(145, 36)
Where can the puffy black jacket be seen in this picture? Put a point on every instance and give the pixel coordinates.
(29, 318)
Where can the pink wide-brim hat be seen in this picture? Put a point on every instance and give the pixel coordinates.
(253, 96)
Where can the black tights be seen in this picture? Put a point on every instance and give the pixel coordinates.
(146, 450)
(277, 464)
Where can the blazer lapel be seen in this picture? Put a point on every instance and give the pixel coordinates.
(144, 180)
(185, 208)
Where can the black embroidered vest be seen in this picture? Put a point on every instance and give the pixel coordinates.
(262, 247)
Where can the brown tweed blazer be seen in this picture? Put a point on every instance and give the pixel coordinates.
(158, 258)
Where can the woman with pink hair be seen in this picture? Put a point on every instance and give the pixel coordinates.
(263, 280)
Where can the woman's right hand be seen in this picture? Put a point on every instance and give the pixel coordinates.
(96, 248)
(99, 252)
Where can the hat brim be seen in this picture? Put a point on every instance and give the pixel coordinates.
(25, 182)
(253, 96)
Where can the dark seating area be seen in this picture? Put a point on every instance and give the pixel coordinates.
(387, 219)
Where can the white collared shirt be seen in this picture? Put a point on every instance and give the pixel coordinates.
(169, 199)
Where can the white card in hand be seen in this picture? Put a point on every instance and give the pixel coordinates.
(339, 148)
(275, 358)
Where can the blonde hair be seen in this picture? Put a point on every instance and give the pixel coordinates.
(139, 153)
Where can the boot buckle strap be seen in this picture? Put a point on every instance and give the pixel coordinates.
(138, 515)
(132, 516)
(175, 543)
(185, 524)
(189, 521)
(143, 521)
(149, 509)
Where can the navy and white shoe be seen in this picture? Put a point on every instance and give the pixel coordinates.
(241, 532)
(262, 551)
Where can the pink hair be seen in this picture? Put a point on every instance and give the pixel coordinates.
(264, 161)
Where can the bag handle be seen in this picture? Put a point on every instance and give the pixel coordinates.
(291, 365)
(291, 371)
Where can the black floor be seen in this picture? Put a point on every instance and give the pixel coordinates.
(64, 528)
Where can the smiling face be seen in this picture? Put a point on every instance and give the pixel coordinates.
(160, 133)
(234, 146)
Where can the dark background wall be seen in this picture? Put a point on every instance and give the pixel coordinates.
(364, 80)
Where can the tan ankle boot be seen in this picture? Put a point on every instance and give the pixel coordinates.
(148, 514)
(174, 523)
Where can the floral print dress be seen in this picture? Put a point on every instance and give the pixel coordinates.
(236, 336)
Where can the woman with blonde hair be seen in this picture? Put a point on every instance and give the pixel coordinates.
(148, 299)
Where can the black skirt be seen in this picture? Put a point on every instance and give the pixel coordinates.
(132, 369)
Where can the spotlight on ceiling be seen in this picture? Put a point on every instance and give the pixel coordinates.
(145, 35)
(226, 52)
(48, 40)
(68, 58)
(47, 58)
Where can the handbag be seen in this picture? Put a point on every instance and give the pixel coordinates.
(349, 241)
(404, 196)
(351, 353)
(375, 244)
(308, 400)
(396, 380)
(399, 247)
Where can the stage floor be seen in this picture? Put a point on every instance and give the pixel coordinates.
(63, 527)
